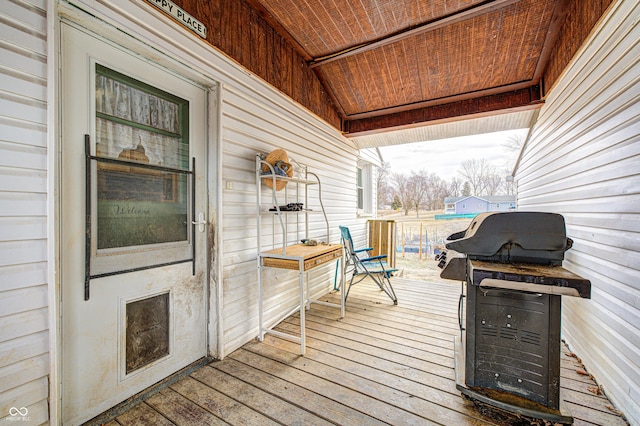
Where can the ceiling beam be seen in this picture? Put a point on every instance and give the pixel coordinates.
(525, 98)
(440, 101)
(448, 20)
(560, 12)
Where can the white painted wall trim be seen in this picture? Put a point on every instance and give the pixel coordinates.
(53, 211)
(219, 249)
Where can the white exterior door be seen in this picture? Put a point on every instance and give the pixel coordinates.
(133, 263)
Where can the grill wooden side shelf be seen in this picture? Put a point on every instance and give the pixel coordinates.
(287, 252)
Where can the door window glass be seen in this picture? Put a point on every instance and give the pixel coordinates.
(139, 124)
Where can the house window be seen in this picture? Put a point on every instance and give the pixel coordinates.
(364, 189)
(360, 189)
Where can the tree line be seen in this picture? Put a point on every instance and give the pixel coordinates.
(426, 191)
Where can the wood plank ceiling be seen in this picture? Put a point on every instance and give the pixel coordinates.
(393, 63)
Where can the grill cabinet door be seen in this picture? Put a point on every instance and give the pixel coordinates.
(513, 342)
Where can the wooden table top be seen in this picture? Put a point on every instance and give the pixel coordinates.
(303, 251)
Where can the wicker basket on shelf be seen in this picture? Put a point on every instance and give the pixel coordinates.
(279, 160)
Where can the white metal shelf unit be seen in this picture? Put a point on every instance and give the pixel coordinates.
(301, 180)
(288, 253)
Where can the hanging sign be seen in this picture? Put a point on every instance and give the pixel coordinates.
(181, 16)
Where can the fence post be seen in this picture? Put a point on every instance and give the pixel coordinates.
(420, 247)
(402, 227)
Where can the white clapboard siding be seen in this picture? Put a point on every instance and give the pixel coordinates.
(259, 124)
(583, 161)
(253, 118)
(24, 357)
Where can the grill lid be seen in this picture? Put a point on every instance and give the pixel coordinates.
(529, 237)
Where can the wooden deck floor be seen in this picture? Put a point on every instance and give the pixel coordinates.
(381, 364)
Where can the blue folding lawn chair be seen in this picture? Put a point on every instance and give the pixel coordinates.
(359, 268)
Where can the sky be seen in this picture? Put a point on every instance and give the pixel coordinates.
(443, 157)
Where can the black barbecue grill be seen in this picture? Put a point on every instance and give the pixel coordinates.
(511, 265)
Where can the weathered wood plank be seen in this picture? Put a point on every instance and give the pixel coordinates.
(590, 400)
(578, 386)
(443, 394)
(575, 372)
(385, 341)
(388, 352)
(219, 404)
(393, 405)
(180, 410)
(427, 310)
(424, 317)
(571, 374)
(378, 360)
(570, 364)
(279, 399)
(397, 342)
(441, 344)
(356, 399)
(594, 416)
(366, 296)
(141, 414)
